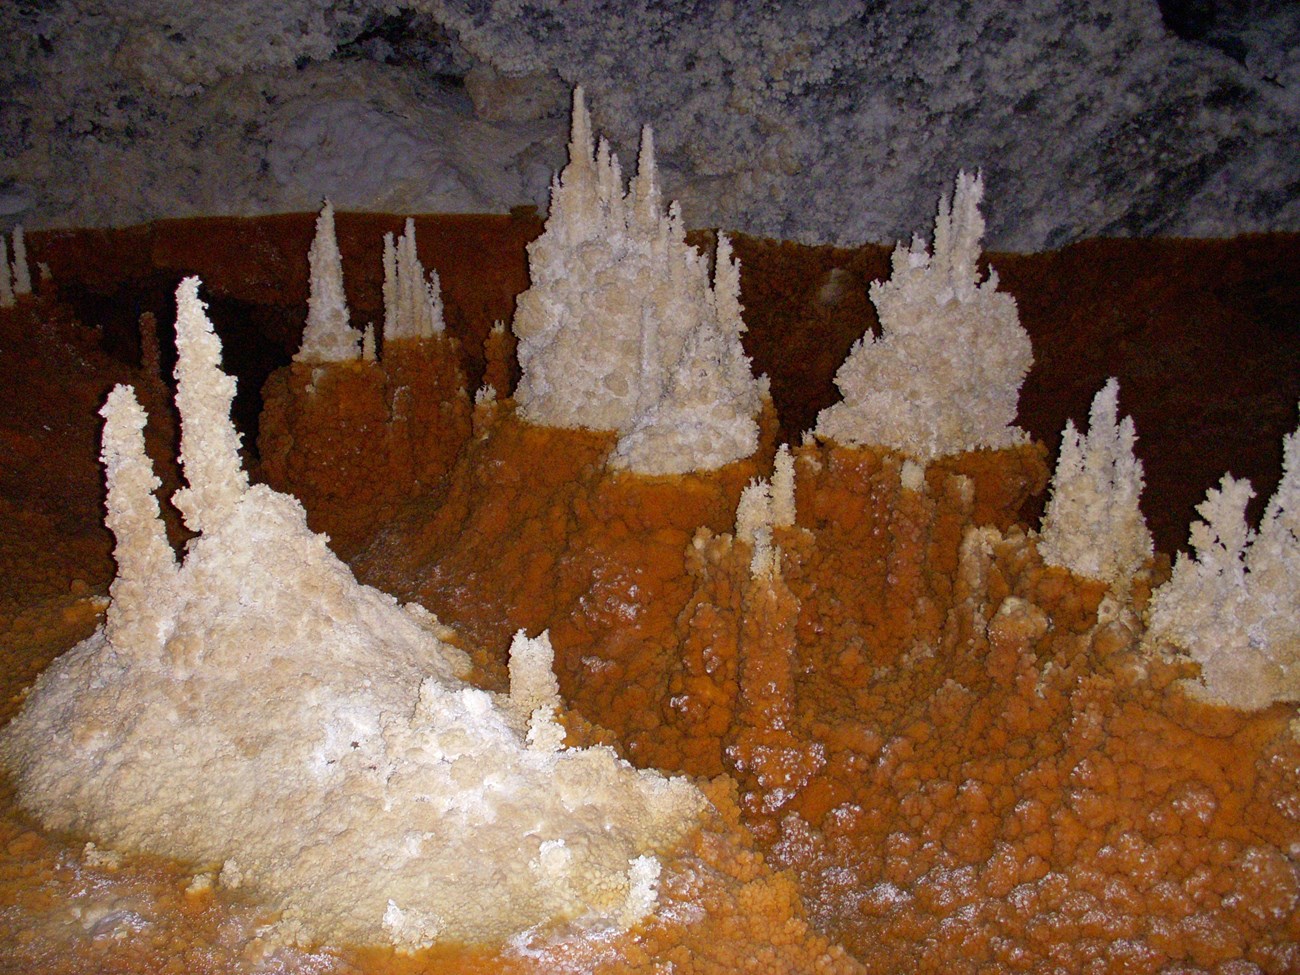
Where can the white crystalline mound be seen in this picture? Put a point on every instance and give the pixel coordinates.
(1093, 524)
(255, 707)
(1234, 605)
(944, 375)
(621, 329)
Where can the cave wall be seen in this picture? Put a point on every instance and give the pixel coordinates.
(831, 122)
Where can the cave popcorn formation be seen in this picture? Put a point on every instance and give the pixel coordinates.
(1093, 525)
(1234, 606)
(254, 706)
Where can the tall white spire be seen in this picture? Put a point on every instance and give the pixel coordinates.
(327, 337)
(204, 394)
(22, 274)
(412, 304)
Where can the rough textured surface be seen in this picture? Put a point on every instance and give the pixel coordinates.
(622, 330)
(1025, 796)
(944, 375)
(254, 707)
(825, 122)
(1093, 523)
(1234, 605)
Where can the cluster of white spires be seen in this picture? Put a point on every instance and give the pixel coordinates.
(622, 331)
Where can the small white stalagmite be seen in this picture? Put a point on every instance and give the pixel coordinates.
(412, 303)
(327, 337)
(1093, 524)
(6, 276)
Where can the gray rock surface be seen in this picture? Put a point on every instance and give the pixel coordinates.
(829, 122)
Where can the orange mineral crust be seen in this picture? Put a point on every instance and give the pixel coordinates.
(996, 782)
(595, 556)
(355, 440)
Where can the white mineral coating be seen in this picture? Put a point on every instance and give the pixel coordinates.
(943, 377)
(412, 304)
(255, 711)
(327, 337)
(1093, 524)
(834, 121)
(621, 329)
(1234, 605)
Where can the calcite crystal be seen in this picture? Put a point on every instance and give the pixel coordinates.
(254, 708)
(1093, 524)
(943, 377)
(328, 337)
(1234, 606)
(412, 303)
(621, 329)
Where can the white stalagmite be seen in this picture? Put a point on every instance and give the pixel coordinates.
(763, 507)
(1093, 524)
(621, 329)
(22, 274)
(1234, 606)
(944, 376)
(209, 443)
(412, 304)
(314, 740)
(6, 276)
(783, 507)
(327, 337)
(146, 565)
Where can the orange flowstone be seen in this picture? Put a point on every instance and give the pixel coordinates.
(598, 557)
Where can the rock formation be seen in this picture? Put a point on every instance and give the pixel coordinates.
(1093, 525)
(1234, 605)
(621, 329)
(412, 304)
(328, 337)
(400, 418)
(255, 707)
(821, 122)
(944, 375)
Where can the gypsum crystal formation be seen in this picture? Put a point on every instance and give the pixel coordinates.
(944, 375)
(1093, 524)
(1234, 605)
